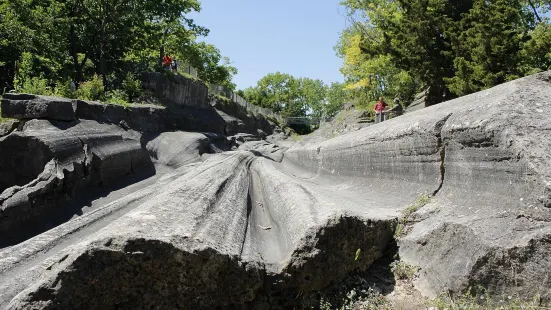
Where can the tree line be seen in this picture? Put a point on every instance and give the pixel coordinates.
(448, 47)
(102, 41)
(292, 96)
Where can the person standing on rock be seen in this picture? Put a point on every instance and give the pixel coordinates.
(380, 108)
(167, 61)
(174, 65)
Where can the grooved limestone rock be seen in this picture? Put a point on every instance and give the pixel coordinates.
(486, 158)
(256, 228)
(48, 162)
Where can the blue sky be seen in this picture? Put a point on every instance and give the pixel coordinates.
(289, 36)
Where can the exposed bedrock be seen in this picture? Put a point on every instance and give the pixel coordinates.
(24, 106)
(486, 157)
(257, 227)
(238, 119)
(47, 163)
(218, 226)
(139, 117)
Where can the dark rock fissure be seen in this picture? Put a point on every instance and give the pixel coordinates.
(442, 145)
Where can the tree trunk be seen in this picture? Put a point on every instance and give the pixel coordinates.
(74, 54)
(535, 10)
(103, 69)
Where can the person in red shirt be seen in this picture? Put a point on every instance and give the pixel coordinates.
(167, 61)
(380, 108)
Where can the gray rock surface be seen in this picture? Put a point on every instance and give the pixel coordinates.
(176, 149)
(485, 157)
(241, 120)
(177, 89)
(49, 162)
(264, 149)
(263, 226)
(220, 226)
(24, 106)
(8, 126)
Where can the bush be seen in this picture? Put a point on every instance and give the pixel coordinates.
(63, 89)
(132, 87)
(35, 85)
(117, 96)
(92, 90)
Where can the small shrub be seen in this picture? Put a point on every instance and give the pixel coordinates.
(403, 271)
(132, 87)
(368, 300)
(92, 89)
(224, 99)
(117, 97)
(35, 85)
(63, 89)
(421, 202)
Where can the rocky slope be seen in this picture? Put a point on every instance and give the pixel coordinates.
(485, 158)
(257, 226)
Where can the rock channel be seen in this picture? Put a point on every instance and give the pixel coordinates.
(260, 225)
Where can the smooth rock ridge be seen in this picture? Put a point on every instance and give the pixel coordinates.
(486, 158)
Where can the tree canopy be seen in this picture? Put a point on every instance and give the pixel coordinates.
(291, 96)
(451, 47)
(65, 38)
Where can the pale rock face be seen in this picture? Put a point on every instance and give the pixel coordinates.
(257, 226)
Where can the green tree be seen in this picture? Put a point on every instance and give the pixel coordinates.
(211, 66)
(488, 48)
(336, 98)
(310, 96)
(288, 95)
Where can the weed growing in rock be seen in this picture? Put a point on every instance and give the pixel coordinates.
(296, 137)
(421, 202)
(367, 300)
(222, 99)
(403, 271)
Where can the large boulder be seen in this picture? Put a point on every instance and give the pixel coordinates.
(176, 149)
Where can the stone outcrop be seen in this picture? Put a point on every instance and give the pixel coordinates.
(485, 157)
(239, 120)
(48, 163)
(139, 117)
(264, 225)
(24, 106)
(178, 92)
(177, 89)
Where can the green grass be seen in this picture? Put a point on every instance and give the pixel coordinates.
(484, 301)
(296, 137)
(224, 99)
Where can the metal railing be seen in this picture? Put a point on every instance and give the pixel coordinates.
(302, 120)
